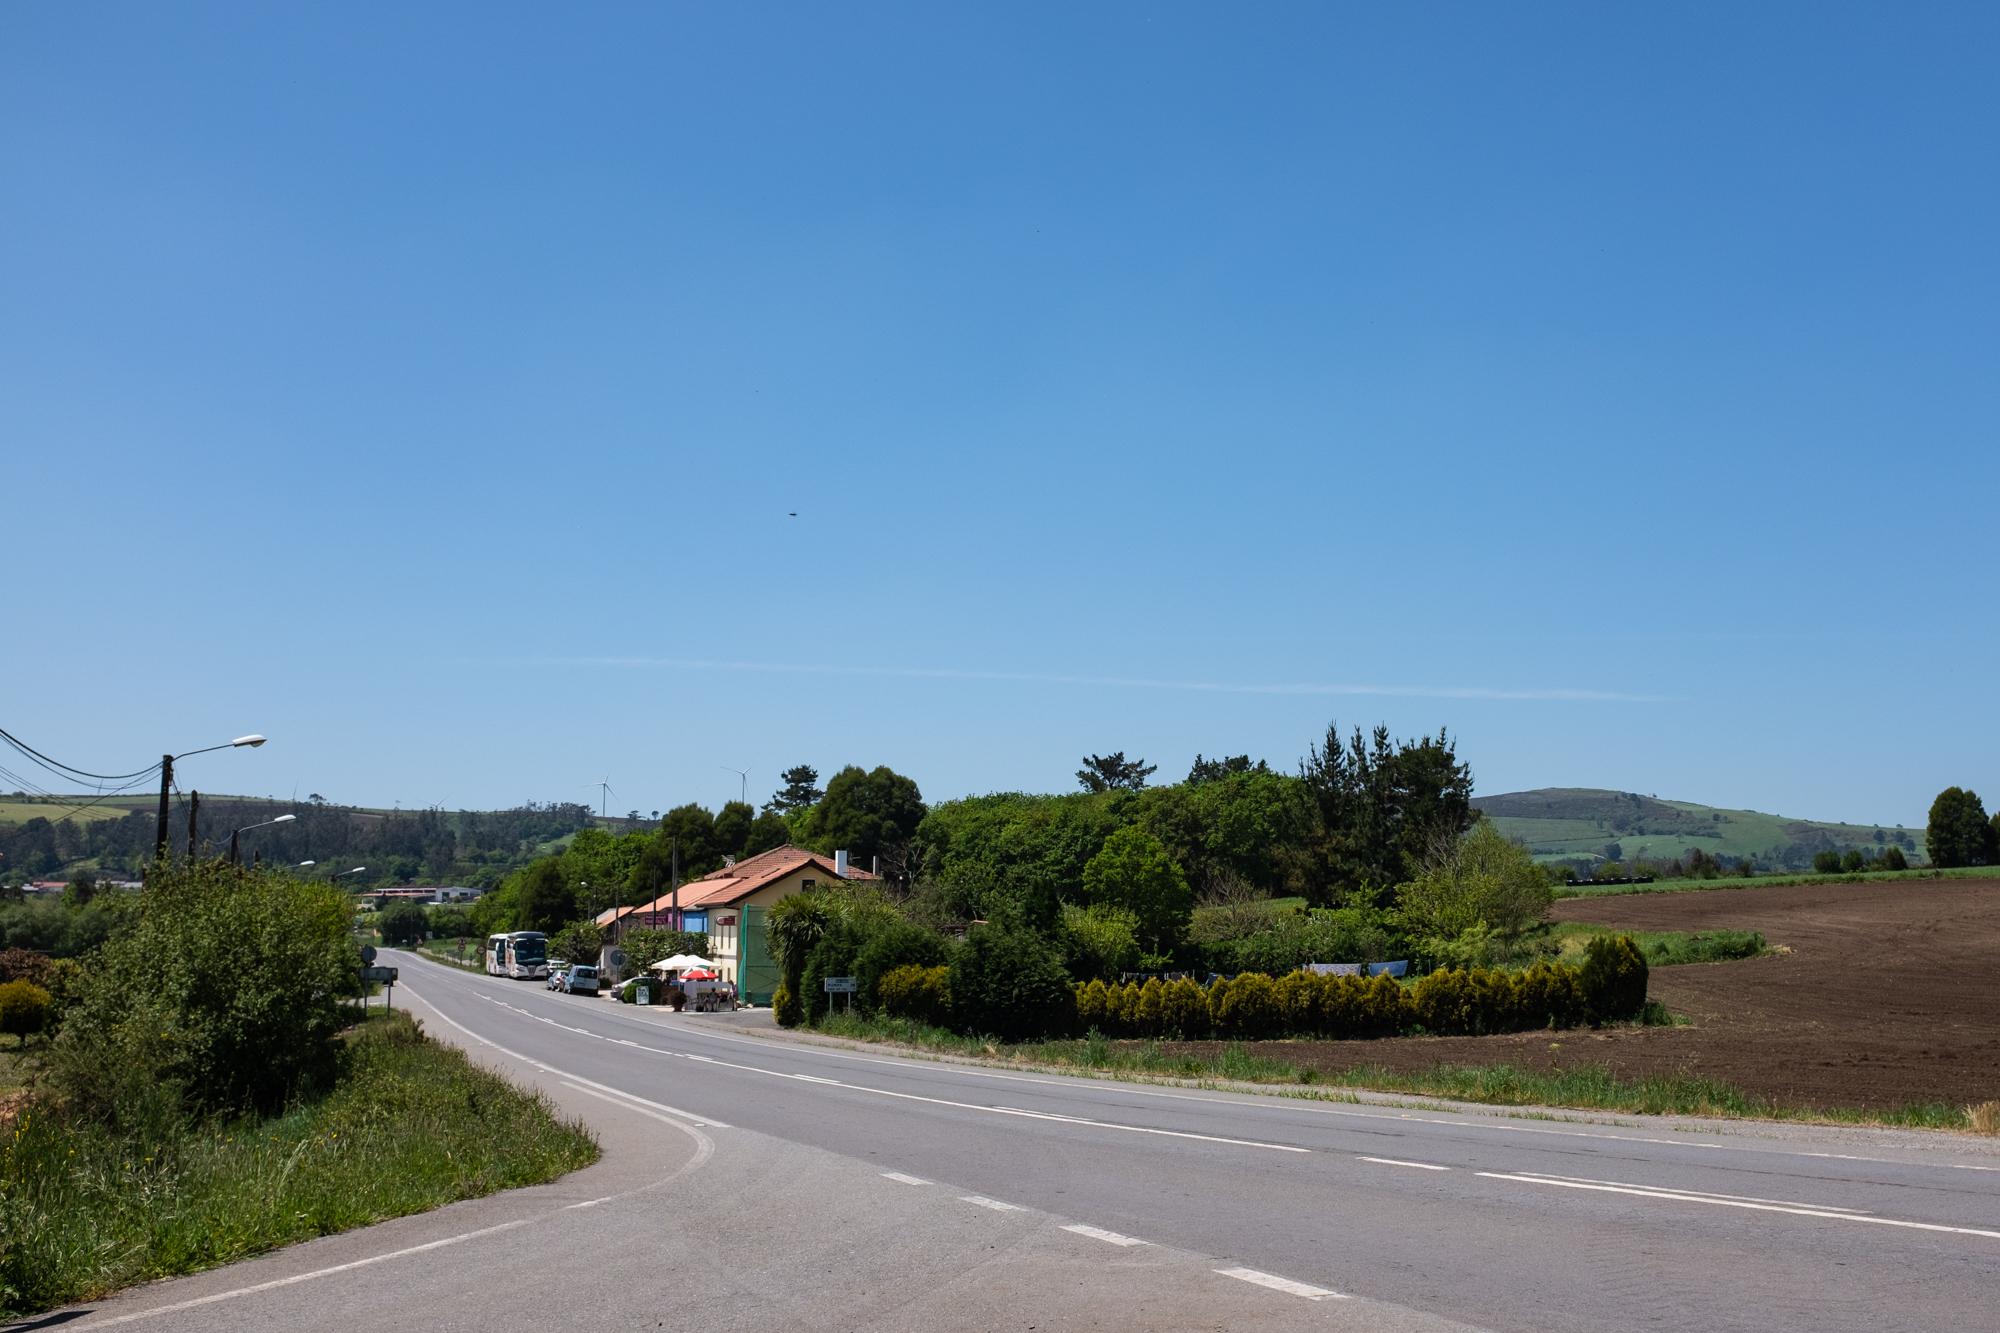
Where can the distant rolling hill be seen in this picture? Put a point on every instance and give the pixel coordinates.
(1579, 823)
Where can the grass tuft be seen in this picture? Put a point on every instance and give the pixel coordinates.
(1983, 1118)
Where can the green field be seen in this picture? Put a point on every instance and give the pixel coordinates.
(1578, 823)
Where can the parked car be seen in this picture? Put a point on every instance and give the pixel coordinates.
(557, 972)
(580, 979)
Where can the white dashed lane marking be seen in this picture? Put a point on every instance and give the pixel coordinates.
(995, 1204)
(902, 1179)
(1099, 1233)
(1284, 1284)
(1393, 1161)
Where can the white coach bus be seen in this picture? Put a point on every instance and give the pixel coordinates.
(523, 954)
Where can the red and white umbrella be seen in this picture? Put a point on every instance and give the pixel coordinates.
(698, 974)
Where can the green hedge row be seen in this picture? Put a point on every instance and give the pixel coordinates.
(1610, 986)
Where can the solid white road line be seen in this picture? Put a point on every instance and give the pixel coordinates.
(1701, 1194)
(1392, 1161)
(1108, 1237)
(1645, 1192)
(994, 1204)
(1964, 1166)
(704, 1121)
(902, 1179)
(1284, 1284)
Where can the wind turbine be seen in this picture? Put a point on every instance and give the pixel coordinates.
(604, 793)
(743, 783)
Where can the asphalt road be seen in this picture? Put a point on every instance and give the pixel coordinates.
(760, 1182)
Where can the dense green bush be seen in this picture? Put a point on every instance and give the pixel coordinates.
(888, 944)
(25, 1009)
(405, 923)
(223, 995)
(1613, 979)
(1826, 863)
(1006, 982)
(1291, 939)
(583, 941)
(922, 994)
(1101, 940)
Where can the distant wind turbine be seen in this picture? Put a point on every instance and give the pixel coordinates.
(604, 793)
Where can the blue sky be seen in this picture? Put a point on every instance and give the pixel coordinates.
(431, 391)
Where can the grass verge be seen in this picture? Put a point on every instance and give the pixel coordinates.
(1585, 1087)
(472, 962)
(411, 1125)
(1663, 948)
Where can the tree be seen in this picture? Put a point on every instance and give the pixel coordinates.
(694, 828)
(801, 790)
(579, 942)
(1114, 772)
(1893, 858)
(1134, 872)
(1958, 833)
(547, 898)
(767, 830)
(1375, 807)
(793, 928)
(867, 813)
(732, 827)
(1479, 879)
(405, 923)
(1214, 770)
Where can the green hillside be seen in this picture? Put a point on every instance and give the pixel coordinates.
(1579, 823)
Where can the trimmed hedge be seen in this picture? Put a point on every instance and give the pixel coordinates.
(1610, 986)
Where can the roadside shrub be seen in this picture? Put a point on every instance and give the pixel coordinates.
(1826, 863)
(1297, 997)
(1613, 979)
(785, 1007)
(1441, 1002)
(1091, 1001)
(1383, 1008)
(27, 965)
(1249, 1008)
(25, 1009)
(1146, 1009)
(223, 995)
(1893, 858)
(405, 923)
(1548, 995)
(1184, 1010)
(921, 994)
(582, 942)
(1007, 982)
(889, 944)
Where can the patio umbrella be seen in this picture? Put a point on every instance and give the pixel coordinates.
(698, 974)
(681, 961)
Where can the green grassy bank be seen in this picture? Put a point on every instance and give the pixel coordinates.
(1587, 890)
(1585, 1087)
(409, 1125)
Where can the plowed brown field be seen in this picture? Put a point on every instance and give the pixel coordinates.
(1883, 995)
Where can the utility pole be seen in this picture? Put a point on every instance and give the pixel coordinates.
(166, 780)
(194, 810)
(674, 892)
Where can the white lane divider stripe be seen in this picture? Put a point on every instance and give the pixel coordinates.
(1715, 1201)
(1966, 1166)
(995, 1204)
(1394, 1161)
(902, 1179)
(1099, 1233)
(1284, 1284)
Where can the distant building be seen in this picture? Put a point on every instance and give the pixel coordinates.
(731, 903)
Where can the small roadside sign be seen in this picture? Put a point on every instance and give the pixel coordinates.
(367, 954)
(843, 985)
(378, 974)
(385, 975)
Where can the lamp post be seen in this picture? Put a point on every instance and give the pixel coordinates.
(167, 779)
(281, 819)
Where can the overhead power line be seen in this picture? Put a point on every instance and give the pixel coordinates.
(62, 770)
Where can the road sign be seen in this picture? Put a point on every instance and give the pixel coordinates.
(843, 985)
(367, 954)
(378, 974)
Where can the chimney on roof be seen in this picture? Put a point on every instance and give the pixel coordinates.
(840, 865)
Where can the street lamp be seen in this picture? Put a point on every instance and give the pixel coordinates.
(167, 779)
(281, 819)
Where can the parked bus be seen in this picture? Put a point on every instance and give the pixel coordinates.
(523, 954)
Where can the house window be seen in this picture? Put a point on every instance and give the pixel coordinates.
(807, 884)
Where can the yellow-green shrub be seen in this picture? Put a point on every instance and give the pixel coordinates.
(922, 994)
(1249, 1008)
(1146, 1009)
(1184, 1010)
(1091, 1002)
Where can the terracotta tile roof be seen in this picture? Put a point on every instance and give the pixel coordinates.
(735, 883)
